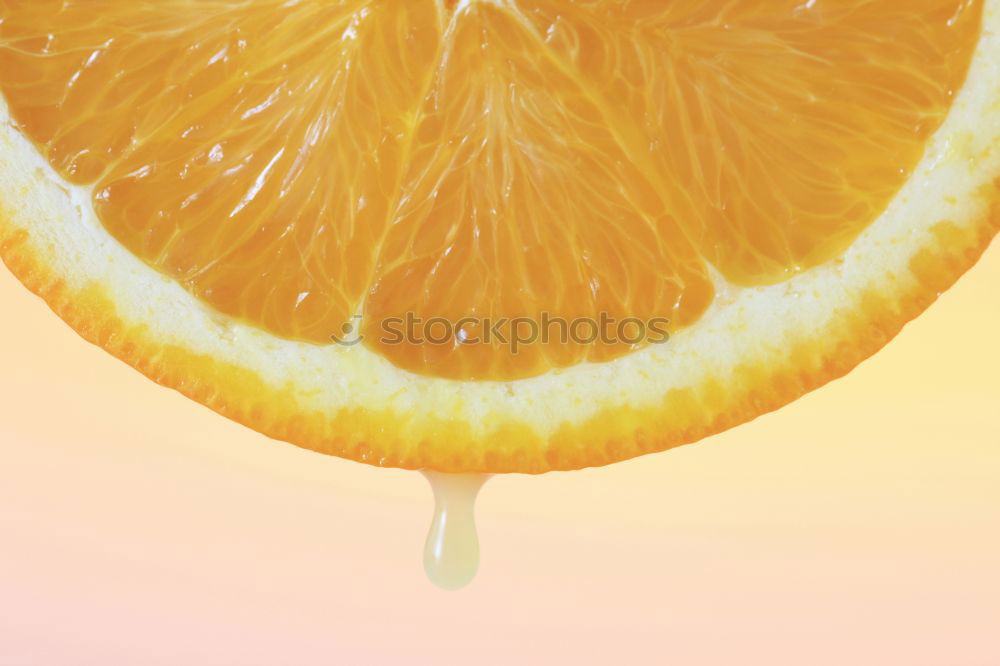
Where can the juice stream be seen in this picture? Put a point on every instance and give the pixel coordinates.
(451, 553)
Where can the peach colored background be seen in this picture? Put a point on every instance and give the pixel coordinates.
(859, 525)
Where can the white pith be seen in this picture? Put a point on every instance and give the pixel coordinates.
(760, 323)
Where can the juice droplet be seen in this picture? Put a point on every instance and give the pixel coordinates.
(451, 554)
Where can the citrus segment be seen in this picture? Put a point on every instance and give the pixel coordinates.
(520, 203)
(777, 129)
(249, 150)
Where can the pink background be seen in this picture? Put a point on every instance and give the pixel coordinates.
(859, 525)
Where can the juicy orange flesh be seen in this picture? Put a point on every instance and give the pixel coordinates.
(295, 164)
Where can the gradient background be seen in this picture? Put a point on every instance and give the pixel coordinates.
(859, 525)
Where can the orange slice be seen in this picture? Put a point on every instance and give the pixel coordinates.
(252, 201)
